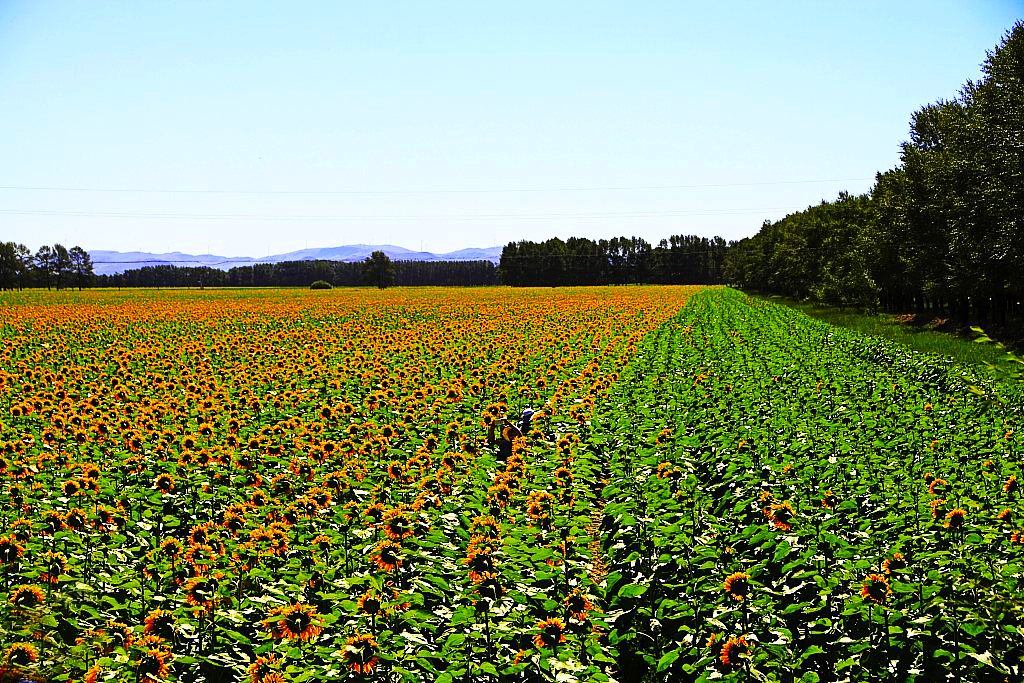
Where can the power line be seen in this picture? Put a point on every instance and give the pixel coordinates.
(465, 217)
(45, 188)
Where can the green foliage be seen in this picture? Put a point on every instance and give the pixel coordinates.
(737, 409)
(377, 270)
(943, 232)
(923, 338)
(321, 284)
(50, 266)
(299, 273)
(680, 259)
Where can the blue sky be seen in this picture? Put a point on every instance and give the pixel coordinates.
(247, 128)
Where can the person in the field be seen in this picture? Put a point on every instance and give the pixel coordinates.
(510, 431)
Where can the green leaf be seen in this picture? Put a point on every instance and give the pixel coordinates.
(668, 659)
(782, 550)
(632, 590)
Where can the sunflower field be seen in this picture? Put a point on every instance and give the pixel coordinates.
(281, 485)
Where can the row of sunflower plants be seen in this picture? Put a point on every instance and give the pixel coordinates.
(278, 486)
(790, 501)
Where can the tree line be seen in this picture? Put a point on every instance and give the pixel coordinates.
(685, 259)
(303, 273)
(53, 267)
(941, 233)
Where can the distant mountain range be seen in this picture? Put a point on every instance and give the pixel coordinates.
(112, 262)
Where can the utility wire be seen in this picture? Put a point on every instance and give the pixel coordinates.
(43, 188)
(469, 217)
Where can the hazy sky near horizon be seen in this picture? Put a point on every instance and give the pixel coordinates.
(249, 128)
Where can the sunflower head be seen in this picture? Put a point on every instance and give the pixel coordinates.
(955, 518)
(370, 603)
(160, 623)
(263, 668)
(21, 654)
(10, 549)
(894, 563)
(388, 556)
(781, 516)
(734, 651)
(551, 632)
(27, 596)
(875, 588)
(577, 605)
(737, 585)
(360, 653)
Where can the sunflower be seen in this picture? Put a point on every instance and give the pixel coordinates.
(374, 511)
(171, 548)
(75, 519)
(552, 632)
(201, 591)
(21, 654)
(264, 667)
(152, 664)
(737, 585)
(829, 500)
(120, 634)
(201, 557)
(200, 533)
(937, 486)
(734, 651)
(955, 518)
(27, 596)
(895, 563)
(54, 565)
(500, 494)
(10, 549)
(875, 588)
(480, 562)
(490, 587)
(388, 555)
(92, 675)
(781, 516)
(321, 543)
(160, 623)
(293, 621)
(70, 487)
(370, 603)
(321, 497)
(164, 483)
(577, 605)
(21, 529)
(360, 653)
(233, 521)
(397, 525)
(1011, 484)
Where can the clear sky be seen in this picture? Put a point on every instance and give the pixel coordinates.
(248, 128)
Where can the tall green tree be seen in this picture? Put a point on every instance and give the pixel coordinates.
(43, 264)
(81, 266)
(377, 269)
(61, 265)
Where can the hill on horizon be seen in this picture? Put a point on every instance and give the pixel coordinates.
(107, 262)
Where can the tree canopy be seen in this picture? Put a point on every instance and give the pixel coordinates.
(52, 266)
(942, 232)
